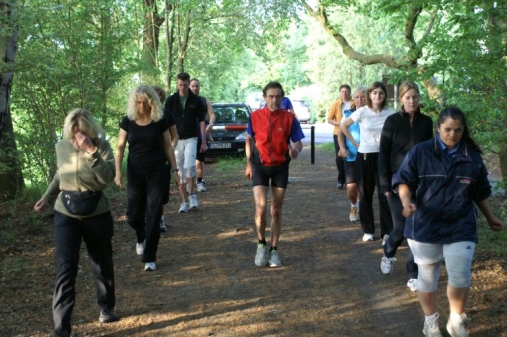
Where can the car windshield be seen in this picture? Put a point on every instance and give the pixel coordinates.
(230, 114)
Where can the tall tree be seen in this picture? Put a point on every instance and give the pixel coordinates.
(441, 39)
(11, 178)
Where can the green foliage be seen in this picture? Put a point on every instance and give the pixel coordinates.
(69, 57)
(327, 147)
(490, 241)
(230, 164)
(77, 55)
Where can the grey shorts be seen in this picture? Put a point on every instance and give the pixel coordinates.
(429, 253)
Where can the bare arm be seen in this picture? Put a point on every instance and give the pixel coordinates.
(345, 129)
(341, 142)
(202, 127)
(248, 154)
(211, 115)
(294, 151)
(118, 157)
(174, 135)
(406, 200)
(494, 223)
(168, 149)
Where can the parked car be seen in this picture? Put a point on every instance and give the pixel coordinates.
(229, 131)
(302, 110)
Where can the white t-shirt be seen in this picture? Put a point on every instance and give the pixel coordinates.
(345, 106)
(370, 125)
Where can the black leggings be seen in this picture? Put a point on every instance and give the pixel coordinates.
(367, 178)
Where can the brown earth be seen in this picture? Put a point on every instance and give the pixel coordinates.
(207, 285)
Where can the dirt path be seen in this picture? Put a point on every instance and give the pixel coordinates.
(207, 285)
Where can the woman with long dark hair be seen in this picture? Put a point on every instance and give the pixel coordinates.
(439, 183)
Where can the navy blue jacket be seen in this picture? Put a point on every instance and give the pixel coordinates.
(444, 190)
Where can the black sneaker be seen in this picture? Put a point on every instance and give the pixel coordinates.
(59, 333)
(107, 316)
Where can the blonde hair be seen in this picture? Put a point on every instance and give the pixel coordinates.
(84, 120)
(406, 86)
(153, 100)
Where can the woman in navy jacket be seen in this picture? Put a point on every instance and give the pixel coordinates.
(401, 132)
(439, 182)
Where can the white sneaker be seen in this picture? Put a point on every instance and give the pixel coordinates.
(353, 215)
(150, 266)
(431, 328)
(193, 201)
(274, 260)
(387, 264)
(163, 227)
(140, 248)
(412, 284)
(201, 187)
(384, 239)
(456, 328)
(367, 237)
(183, 207)
(261, 257)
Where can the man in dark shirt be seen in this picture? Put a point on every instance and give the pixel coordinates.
(195, 87)
(186, 107)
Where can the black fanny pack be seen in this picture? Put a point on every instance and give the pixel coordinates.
(81, 203)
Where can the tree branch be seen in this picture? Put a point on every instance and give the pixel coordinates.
(321, 16)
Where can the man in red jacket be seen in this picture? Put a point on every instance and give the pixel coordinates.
(268, 152)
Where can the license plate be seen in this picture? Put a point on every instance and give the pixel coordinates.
(220, 145)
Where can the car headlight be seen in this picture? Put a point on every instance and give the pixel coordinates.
(241, 136)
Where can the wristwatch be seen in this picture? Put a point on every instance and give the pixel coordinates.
(175, 170)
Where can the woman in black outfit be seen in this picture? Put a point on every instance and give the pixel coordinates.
(400, 133)
(147, 132)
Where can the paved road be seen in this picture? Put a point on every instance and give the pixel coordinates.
(323, 133)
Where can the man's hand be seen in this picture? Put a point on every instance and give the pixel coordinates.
(248, 170)
(204, 146)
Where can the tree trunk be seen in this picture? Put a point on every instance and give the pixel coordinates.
(11, 178)
(151, 34)
(170, 10)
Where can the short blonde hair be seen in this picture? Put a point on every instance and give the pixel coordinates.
(84, 120)
(153, 100)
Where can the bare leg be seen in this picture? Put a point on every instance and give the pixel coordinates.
(352, 193)
(278, 195)
(191, 185)
(428, 302)
(260, 196)
(457, 299)
(199, 166)
(183, 191)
